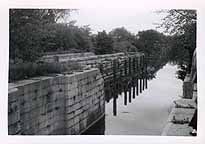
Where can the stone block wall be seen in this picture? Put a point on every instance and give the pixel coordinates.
(87, 58)
(53, 57)
(61, 104)
(85, 101)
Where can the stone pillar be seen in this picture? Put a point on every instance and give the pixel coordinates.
(187, 88)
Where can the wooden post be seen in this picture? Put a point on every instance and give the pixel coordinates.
(137, 69)
(114, 105)
(130, 66)
(117, 77)
(125, 93)
(106, 94)
(125, 67)
(115, 88)
(140, 84)
(133, 77)
(143, 72)
(136, 65)
(130, 92)
(101, 68)
(133, 65)
(146, 73)
(140, 65)
(133, 87)
(120, 80)
(114, 71)
(137, 86)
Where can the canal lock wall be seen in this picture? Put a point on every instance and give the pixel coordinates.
(61, 104)
(67, 103)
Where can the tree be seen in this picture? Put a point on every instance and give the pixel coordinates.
(121, 34)
(26, 30)
(154, 45)
(176, 20)
(66, 37)
(182, 23)
(104, 43)
(123, 40)
(152, 42)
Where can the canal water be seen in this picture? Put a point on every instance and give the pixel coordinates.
(148, 112)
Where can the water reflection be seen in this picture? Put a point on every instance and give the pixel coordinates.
(132, 81)
(130, 87)
(148, 112)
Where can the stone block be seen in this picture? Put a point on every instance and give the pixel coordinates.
(69, 116)
(181, 114)
(76, 106)
(69, 109)
(69, 102)
(14, 129)
(176, 130)
(14, 117)
(78, 111)
(69, 123)
(187, 88)
(185, 103)
(13, 94)
(77, 128)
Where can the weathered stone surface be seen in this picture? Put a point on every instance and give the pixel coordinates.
(181, 114)
(64, 57)
(178, 122)
(66, 103)
(172, 129)
(55, 105)
(185, 103)
(187, 88)
(179, 118)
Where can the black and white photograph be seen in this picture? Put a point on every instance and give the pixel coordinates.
(102, 72)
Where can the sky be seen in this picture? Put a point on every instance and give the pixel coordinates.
(107, 19)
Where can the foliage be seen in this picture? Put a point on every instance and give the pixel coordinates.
(66, 37)
(123, 40)
(26, 29)
(152, 42)
(182, 25)
(36, 31)
(178, 54)
(124, 46)
(155, 47)
(121, 34)
(176, 20)
(103, 43)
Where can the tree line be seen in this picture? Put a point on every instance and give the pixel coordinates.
(36, 31)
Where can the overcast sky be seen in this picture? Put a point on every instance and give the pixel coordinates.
(107, 19)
